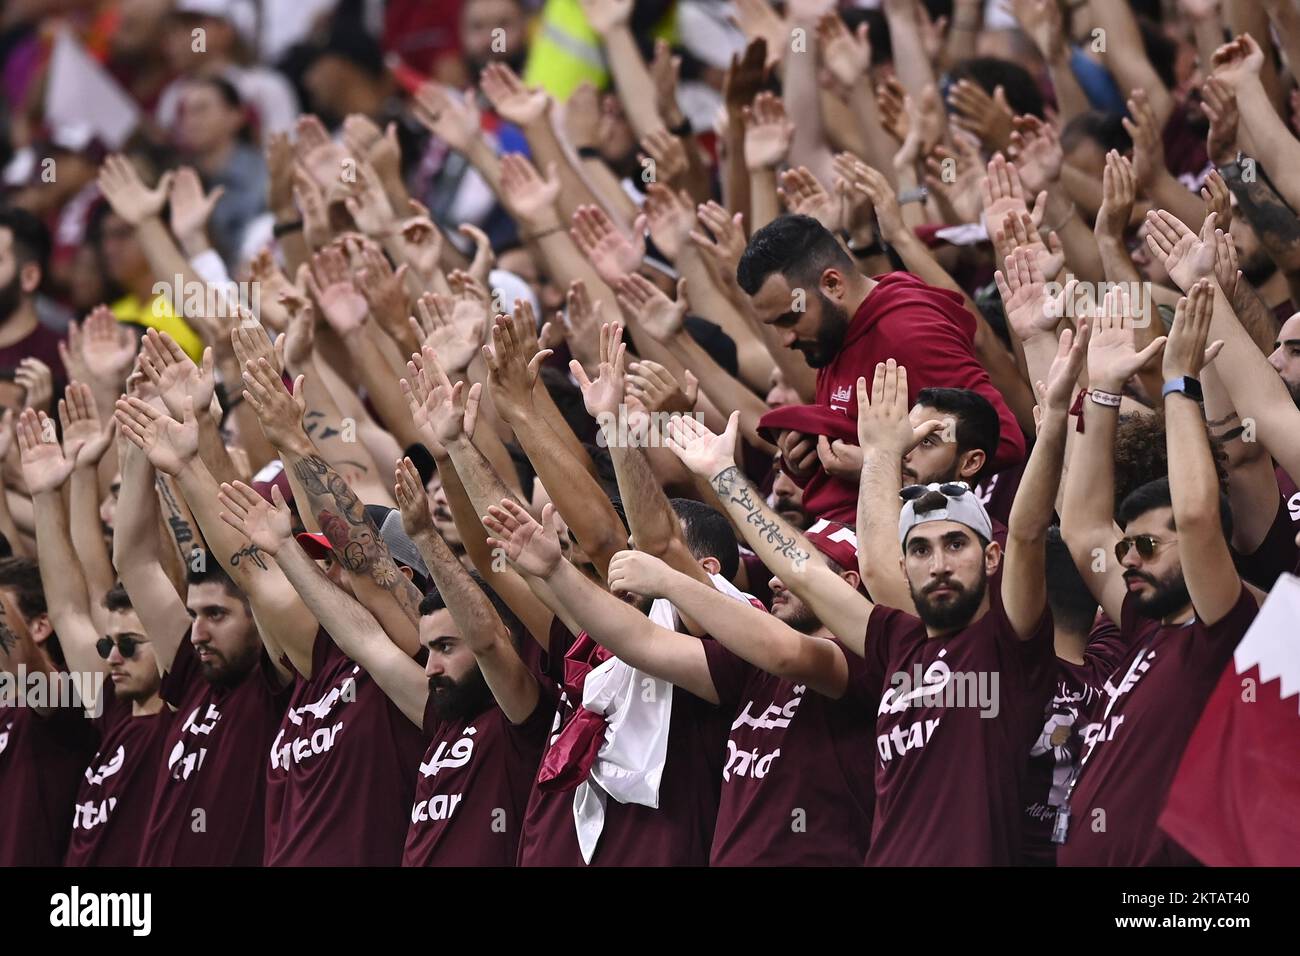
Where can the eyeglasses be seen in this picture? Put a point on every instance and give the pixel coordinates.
(1146, 545)
(126, 646)
(951, 489)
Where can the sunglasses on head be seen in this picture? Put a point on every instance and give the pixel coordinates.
(1146, 546)
(126, 646)
(951, 489)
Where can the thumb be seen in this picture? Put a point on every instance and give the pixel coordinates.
(1000, 96)
(1151, 351)
(692, 386)
(1212, 352)
(214, 197)
(925, 429)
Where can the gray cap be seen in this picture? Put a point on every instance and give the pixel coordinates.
(960, 505)
(403, 549)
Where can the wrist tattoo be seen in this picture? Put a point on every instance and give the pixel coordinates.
(252, 552)
(731, 486)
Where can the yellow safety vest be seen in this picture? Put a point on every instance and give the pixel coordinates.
(158, 314)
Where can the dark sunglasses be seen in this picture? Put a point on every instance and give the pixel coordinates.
(126, 646)
(951, 489)
(1146, 546)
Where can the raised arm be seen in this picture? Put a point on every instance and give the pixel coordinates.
(512, 684)
(84, 442)
(535, 549)
(354, 629)
(786, 552)
(1126, 56)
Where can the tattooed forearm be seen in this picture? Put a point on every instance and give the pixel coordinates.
(732, 489)
(8, 639)
(253, 553)
(1268, 213)
(180, 528)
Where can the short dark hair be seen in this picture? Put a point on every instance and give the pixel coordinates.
(797, 247)
(1156, 494)
(30, 237)
(228, 92)
(978, 426)
(23, 577)
(1072, 604)
(990, 72)
(709, 534)
(1105, 129)
(213, 573)
(433, 601)
(117, 599)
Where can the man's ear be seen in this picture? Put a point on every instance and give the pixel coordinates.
(29, 277)
(970, 463)
(832, 284)
(410, 575)
(992, 558)
(40, 629)
(712, 565)
(853, 578)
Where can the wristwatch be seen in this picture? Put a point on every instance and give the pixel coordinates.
(1185, 385)
(919, 194)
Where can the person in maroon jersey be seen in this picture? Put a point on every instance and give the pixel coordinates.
(43, 748)
(950, 757)
(1172, 588)
(113, 799)
(796, 786)
(804, 284)
(482, 712)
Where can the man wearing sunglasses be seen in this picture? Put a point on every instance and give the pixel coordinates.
(1168, 579)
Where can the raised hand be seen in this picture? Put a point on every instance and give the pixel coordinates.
(604, 394)
(419, 244)
(847, 55)
(412, 499)
(484, 258)
(442, 412)
(512, 101)
(380, 148)
(321, 158)
(1056, 394)
(267, 525)
(723, 237)
(1038, 152)
(768, 132)
(126, 192)
(452, 117)
(274, 284)
(645, 304)
(987, 117)
(300, 336)
(658, 390)
(531, 547)
(668, 152)
(1186, 255)
(175, 376)
(1112, 356)
(769, 37)
(514, 363)
(526, 195)
(384, 291)
(635, 572)
(190, 208)
(607, 15)
(37, 382)
(884, 201)
(670, 217)
(1239, 61)
(252, 342)
(167, 443)
(1219, 104)
(330, 282)
(85, 440)
(1001, 191)
(612, 253)
(883, 422)
(804, 195)
(699, 449)
(45, 467)
(278, 412)
(1024, 299)
(1018, 231)
(310, 200)
(1118, 193)
(1218, 199)
(368, 203)
(1148, 147)
(1185, 352)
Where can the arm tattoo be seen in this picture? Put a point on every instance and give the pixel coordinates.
(252, 552)
(8, 639)
(732, 487)
(180, 528)
(1269, 214)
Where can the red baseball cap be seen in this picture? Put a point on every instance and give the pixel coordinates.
(809, 419)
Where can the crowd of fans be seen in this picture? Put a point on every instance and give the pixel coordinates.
(627, 432)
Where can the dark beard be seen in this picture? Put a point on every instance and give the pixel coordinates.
(11, 297)
(1295, 392)
(1170, 595)
(227, 673)
(1258, 269)
(955, 614)
(830, 335)
(453, 701)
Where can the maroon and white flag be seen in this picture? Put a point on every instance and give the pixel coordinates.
(1233, 801)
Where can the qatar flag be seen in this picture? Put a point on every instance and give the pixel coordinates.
(1234, 799)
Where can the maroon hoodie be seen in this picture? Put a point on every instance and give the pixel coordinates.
(929, 332)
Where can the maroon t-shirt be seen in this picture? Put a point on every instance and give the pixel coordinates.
(41, 760)
(998, 493)
(678, 833)
(950, 769)
(208, 803)
(1278, 551)
(1055, 754)
(473, 786)
(116, 792)
(1132, 751)
(930, 332)
(43, 344)
(341, 770)
(797, 785)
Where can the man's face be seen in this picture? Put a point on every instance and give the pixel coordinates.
(206, 121)
(134, 678)
(779, 393)
(492, 30)
(617, 143)
(791, 611)
(1156, 583)
(123, 258)
(12, 280)
(1256, 265)
(440, 509)
(812, 323)
(224, 633)
(456, 684)
(787, 500)
(14, 631)
(947, 572)
(933, 460)
(1286, 356)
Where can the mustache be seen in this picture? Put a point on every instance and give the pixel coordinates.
(441, 683)
(1135, 575)
(948, 583)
